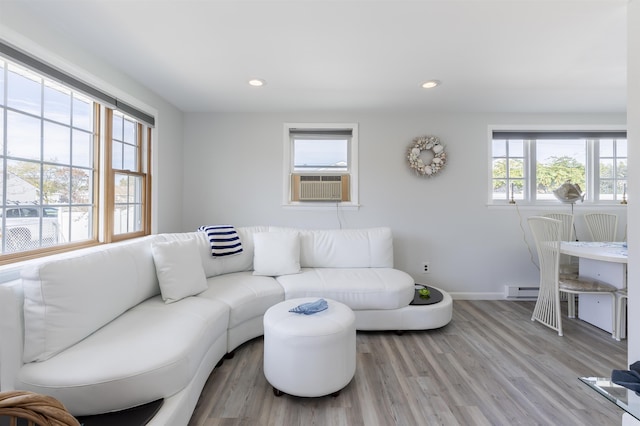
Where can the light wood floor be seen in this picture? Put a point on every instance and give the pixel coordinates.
(490, 366)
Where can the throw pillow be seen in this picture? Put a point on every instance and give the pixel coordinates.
(179, 269)
(276, 253)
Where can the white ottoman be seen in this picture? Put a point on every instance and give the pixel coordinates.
(309, 355)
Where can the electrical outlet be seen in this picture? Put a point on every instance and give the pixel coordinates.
(426, 267)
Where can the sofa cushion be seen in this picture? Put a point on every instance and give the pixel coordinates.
(151, 351)
(345, 248)
(276, 253)
(179, 269)
(69, 297)
(248, 296)
(358, 288)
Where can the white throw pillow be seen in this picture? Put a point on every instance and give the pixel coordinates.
(276, 253)
(179, 269)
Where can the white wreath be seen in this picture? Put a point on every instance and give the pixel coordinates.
(423, 143)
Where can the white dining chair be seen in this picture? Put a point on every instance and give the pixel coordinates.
(546, 233)
(568, 264)
(602, 226)
(621, 313)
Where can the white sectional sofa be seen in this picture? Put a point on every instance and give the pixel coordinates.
(120, 325)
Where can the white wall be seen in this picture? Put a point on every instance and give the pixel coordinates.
(233, 174)
(25, 32)
(233, 171)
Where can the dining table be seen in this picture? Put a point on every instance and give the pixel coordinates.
(604, 261)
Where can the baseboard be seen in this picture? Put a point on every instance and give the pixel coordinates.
(476, 296)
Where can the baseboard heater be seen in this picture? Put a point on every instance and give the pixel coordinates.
(519, 292)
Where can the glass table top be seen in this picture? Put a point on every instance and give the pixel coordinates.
(619, 395)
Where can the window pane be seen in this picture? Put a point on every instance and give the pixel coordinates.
(606, 148)
(121, 188)
(57, 103)
(621, 147)
(23, 136)
(21, 234)
(116, 159)
(621, 169)
(129, 131)
(499, 168)
(606, 168)
(559, 161)
(130, 160)
(23, 183)
(621, 189)
(117, 127)
(500, 189)
(498, 148)
(82, 113)
(606, 189)
(56, 181)
(516, 168)
(82, 149)
(320, 154)
(25, 91)
(81, 186)
(56, 143)
(516, 148)
(77, 224)
(517, 189)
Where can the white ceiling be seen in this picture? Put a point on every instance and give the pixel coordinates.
(491, 55)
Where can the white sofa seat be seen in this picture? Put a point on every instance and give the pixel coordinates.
(358, 288)
(118, 366)
(248, 297)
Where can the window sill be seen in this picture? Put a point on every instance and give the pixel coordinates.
(321, 205)
(557, 206)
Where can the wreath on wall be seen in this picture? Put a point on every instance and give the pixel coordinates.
(426, 143)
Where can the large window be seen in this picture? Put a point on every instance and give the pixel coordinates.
(51, 181)
(320, 164)
(529, 166)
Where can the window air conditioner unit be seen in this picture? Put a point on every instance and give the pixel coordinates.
(320, 187)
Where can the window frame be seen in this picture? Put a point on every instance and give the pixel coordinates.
(101, 199)
(592, 162)
(288, 166)
(143, 166)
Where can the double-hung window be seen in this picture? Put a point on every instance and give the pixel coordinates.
(528, 166)
(128, 154)
(320, 164)
(55, 192)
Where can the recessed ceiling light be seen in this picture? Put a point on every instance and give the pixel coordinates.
(257, 82)
(430, 84)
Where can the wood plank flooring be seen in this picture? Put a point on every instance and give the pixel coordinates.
(490, 366)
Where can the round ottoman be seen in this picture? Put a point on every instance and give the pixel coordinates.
(309, 355)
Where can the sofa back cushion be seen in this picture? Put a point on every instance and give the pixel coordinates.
(71, 296)
(345, 248)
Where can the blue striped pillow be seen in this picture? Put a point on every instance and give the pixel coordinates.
(224, 239)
